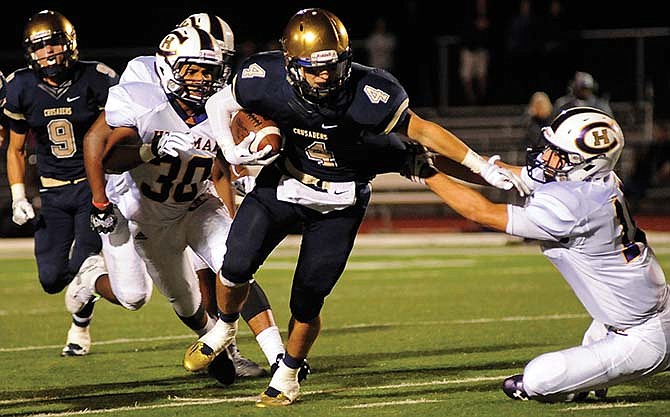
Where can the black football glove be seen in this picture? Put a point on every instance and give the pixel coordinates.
(418, 163)
(103, 221)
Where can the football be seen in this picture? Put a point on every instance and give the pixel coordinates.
(267, 131)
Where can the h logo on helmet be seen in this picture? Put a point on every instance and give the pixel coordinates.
(600, 136)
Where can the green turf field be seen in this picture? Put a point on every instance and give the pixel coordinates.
(423, 331)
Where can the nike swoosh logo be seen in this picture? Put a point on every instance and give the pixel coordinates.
(338, 192)
(71, 99)
(325, 126)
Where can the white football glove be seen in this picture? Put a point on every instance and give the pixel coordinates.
(503, 178)
(170, 143)
(241, 154)
(22, 211)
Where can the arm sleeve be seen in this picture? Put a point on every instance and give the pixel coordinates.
(220, 108)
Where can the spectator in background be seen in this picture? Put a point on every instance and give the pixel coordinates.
(537, 115)
(380, 46)
(475, 54)
(582, 92)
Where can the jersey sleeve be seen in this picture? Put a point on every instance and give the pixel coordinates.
(380, 102)
(547, 216)
(13, 103)
(257, 78)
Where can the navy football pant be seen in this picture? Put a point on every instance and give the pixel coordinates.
(262, 222)
(63, 218)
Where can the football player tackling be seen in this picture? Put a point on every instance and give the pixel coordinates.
(579, 214)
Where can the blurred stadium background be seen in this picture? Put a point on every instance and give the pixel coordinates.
(623, 46)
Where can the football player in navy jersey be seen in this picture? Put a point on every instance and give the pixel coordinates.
(325, 105)
(4, 128)
(57, 97)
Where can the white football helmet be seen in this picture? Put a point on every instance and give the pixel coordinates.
(221, 31)
(586, 144)
(182, 47)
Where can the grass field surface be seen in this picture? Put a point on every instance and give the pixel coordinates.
(417, 326)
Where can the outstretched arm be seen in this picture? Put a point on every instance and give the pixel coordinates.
(468, 202)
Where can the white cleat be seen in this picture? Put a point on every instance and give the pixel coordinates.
(78, 341)
(81, 290)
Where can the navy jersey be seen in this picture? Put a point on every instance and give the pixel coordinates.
(325, 140)
(3, 98)
(59, 116)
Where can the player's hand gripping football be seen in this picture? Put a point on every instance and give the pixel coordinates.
(503, 178)
(102, 218)
(241, 154)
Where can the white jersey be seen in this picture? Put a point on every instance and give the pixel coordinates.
(163, 191)
(588, 233)
(142, 69)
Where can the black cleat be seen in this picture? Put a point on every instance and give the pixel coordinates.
(302, 373)
(222, 368)
(513, 388)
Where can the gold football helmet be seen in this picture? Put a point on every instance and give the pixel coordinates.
(50, 28)
(316, 40)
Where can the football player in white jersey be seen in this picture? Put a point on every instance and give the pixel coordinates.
(579, 214)
(141, 79)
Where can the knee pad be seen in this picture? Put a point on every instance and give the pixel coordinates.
(236, 271)
(256, 303)
(133, 301)
(544, 374)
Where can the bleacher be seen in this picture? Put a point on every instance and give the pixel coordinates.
(499, 130)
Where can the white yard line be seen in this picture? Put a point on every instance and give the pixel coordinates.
(568, 316)
(182, 402)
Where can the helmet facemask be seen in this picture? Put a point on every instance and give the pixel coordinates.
(195, 91)
(337, 67)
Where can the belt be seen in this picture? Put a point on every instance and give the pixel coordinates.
(304, 177)
(53, 182)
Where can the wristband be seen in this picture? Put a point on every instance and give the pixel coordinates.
(146, 154)
(100, 206)
(18, 191)
(473, 161)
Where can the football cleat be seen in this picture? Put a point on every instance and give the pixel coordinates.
(305, 369)
(280, 400)
(283, 390)
(81, 290)
(244, 368)
(78, 341)
(203, 351)
(513, 388)
(222, 368)
(198, 356)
